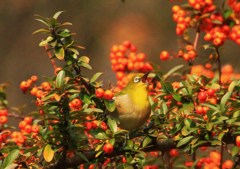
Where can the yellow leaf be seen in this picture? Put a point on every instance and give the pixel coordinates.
(48, 153)
(57, 97)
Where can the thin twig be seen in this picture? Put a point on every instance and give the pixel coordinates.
(50, 57)
(219, 66)
(195, 43)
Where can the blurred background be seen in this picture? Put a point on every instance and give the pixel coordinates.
(99, 24)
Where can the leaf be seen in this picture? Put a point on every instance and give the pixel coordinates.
(235, 150)
(110, 105)
(60, 54)
(60, 79)
(95, 77)
(209, 126)
(146, 141)
(184, 141)
(10, 158)
(41, 31)
(82, 156)
(225, 98)
(84, 59)
(171, 71)
(167, 87)
(216, 143)
(98, 154)
(48, 153)
(11, 166)
(57, 97)
(92, 110)
(112, 124)
(57, 14)
(177, 97)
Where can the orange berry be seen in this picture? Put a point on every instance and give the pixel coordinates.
(22, 125)
(238, 141)
(28, 120)
(108, 94)
(3, 119)
(227, 69)
(24, 86)
(28, 129)
(3, 112)
(99, 92)
(33, 91)
(34, 78)
(108, 148)
(164, 55)
(228, 164)
(35, 128)
(46, 86)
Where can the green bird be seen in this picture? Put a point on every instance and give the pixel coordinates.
(132, 104)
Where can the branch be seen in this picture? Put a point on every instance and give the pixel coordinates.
(162, 145)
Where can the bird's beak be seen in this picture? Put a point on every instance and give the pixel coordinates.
(144, 77)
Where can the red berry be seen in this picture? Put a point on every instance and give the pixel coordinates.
(28, 120)
(108, 148)
(99, 93)
(238, 141)
(108, 94)
(202, 96)
(164, 55)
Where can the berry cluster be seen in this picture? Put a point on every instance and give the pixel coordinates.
(181, 18)
(213, 161)
(204, 16)
(107, 94)
(124, 59)
(235, 33)
(188, 54)
(217, 35)
(202, 5)
(26, 84)
(235, 5)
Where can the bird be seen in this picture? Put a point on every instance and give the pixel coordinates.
(132, 103)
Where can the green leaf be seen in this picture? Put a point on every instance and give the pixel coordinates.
(184, 141)
(82, 156)
(110, 105)
(146, 141)
(57, 14)
(41, 31)
(95, 77)
(48, 153)
(167, 87)
(99, 134)
(60, 79)
(112, 125)
(10, 158)
(225, 98)
(235, 150)
(60, 54)
(209, 126)
(177, 97)
(65, 33)
(11, 166)
(173, 70)
(216, 143)
(92, 110)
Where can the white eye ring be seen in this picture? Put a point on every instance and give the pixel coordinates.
(136, 79)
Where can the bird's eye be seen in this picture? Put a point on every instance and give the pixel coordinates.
(136, 79)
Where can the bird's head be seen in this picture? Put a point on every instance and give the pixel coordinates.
(138, 80)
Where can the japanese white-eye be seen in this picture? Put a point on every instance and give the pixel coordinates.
(132, 104)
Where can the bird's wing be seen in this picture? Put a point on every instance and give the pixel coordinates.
(123, 104)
